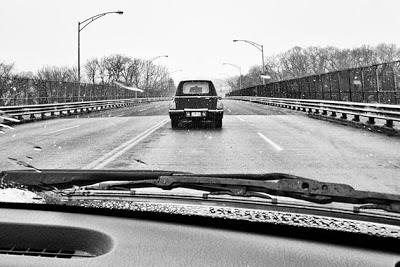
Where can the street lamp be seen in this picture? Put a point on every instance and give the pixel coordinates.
(259, 47)
(240, 72)
(81, 26)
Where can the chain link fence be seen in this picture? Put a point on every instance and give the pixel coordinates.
(22, 91)
(371, 84)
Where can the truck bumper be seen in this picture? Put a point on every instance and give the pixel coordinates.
(196, 114)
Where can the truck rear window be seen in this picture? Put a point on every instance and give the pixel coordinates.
(195, 88)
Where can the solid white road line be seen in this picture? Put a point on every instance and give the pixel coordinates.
(269, 141)
(56, 131)
(118, 151)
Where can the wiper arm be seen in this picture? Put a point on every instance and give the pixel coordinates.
(63, 179)
(277, 184)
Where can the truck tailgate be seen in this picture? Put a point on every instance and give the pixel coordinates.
(209, 102)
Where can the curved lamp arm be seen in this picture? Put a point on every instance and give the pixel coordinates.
(258, 46)
(95, 17)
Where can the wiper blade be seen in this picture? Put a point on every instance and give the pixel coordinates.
(63, 179)
(244, 185)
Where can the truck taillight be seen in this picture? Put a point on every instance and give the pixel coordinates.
(219, 104)
(172, 104)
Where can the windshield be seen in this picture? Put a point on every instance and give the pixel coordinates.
(305, 88)
(192, 88)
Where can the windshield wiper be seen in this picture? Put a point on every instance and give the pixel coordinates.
(243, 185)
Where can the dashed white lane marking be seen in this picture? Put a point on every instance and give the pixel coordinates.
(121, 149)
(119, 115)
(269, 141)
(60, 130)
(240, 118)
(140, 110)
(229, 110)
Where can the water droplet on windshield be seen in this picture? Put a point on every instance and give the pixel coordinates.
(37, 148)
(140, 161)
(24, 164)
(12, 159)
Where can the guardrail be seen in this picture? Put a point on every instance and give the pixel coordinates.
(389, 113)
(14, 114)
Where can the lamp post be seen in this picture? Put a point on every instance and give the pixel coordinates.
(259, 47)
(81, 26)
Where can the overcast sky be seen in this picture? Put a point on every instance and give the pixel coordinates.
(197, 35)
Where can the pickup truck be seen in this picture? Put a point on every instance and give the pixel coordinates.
(196, 100)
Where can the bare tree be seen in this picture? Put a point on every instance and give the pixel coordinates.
(273, 68)
(102, 70)
(6, 73)
(362, 56)
(26, 75)
(233, 83)
(133, 73)
(91, 69)
(295, 62)
(71, 74)
(60, 74)
(115, 66)
(6, 70)
(317, 59)
(387, 52)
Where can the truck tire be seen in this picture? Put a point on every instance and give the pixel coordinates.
(174, 123)
(218, 123)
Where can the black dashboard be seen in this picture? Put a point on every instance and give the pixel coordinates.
(67, 237)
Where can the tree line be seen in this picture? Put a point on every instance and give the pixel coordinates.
(133, 72)
(139, 73)
(299, 62)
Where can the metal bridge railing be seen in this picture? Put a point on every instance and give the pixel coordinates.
(15, 114)
(372, 84)
(16, 91)
(389, 113)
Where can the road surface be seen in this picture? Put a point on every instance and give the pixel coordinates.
(254, 138)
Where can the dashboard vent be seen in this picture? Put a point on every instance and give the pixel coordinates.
(52, 241)
(44, 252)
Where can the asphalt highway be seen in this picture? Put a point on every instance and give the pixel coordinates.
(254, 139)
